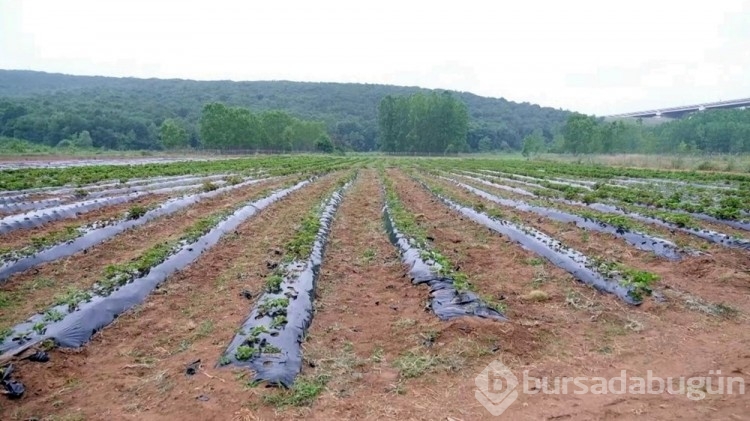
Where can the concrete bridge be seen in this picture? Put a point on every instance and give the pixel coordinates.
(677, 112)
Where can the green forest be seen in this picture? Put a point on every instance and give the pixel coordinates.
(712, 131)
(56, 111)
(128, 113)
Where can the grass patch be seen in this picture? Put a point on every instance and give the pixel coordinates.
(303, 393)
(135, 212)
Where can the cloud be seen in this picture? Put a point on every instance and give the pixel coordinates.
(577, 55)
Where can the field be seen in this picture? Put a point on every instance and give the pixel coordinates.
(367, 287)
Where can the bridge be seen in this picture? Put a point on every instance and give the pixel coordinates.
(677, 112)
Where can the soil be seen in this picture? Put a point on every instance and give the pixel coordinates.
(135, 368)
(718, 274)
(371, 333)
(35, 289)
(21, 238)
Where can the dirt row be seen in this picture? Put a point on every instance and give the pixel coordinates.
(135, 368)
(374, 349)
(717, 274)
(22, 238)
(577, 331)
(714, 226)
(35, 289)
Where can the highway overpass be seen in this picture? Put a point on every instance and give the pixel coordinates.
(677, 112)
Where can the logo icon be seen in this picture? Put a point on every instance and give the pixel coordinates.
(496, 388)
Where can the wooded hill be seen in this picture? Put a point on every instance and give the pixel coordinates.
(127, 113)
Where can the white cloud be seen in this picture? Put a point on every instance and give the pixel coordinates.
(581, 55)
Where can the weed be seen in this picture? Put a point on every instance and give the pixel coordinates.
(136, 211)
(80, 193)
(404, 323)
(534, 261)
(536, 295)
(208, 186)
(414, 364)
(368, 255)
(302, 393)
(233, 180)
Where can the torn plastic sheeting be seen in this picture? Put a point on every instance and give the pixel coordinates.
(298, 286)
(71, 210)
(159, 187)
(150, 189)
(743, 225)
(708, 235)
(738, 224)
(532, 181)
(98, 235)
(499, 186)
(21, 195)
(498, 175)
(446, 302)
(658, 246)
(21, 206)
(572, 261)
(77, 326)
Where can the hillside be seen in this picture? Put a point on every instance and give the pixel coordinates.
(125, 113)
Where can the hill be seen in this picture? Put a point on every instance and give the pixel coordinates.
(125, 113)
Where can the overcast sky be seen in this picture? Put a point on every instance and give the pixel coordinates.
(589, 56)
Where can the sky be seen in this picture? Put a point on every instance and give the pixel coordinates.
(589, 56)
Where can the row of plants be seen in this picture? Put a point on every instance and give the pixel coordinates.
(269, 340)
(672, 220)
(588, 222)
(721, 204)
(18, 179)
(118, 275)
(583, 268)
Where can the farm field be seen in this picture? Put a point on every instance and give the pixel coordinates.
(366, 287)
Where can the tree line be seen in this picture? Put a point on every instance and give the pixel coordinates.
(712, 131)
(224, 127)
(128, 113)
(434, 123)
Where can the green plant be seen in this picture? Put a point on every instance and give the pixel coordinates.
(80, 193)
(136, 211)
(244, 353)
(71, 297)
(208, 186)
(273, 283)
(53, 315)
(278, 322)
(273, 306)
(270, 349)
(40, 327)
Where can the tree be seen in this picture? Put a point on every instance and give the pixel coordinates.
(423, 123)
(533, 144)
(485, 144)
(173, 135)
(324, 144)
(579, 132)
(84, 140)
